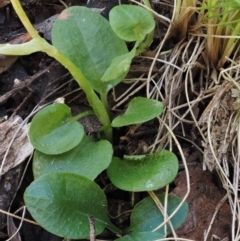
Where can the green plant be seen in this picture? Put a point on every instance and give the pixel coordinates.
(64, 195)
(221, 20)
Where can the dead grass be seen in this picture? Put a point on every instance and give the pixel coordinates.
(183, 68)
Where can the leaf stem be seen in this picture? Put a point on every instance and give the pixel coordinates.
(97, 105)
(103, 97)
(113, 228)
(147, 3)
(83, 114)
(42, 45)
(24, 19)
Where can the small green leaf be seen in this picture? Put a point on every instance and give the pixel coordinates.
(119, 67)
(130, 22)
(139, 110)
(141, 236)
(62, 202)
(88, 159)
(53, 130)
(149, 173)
(89, 42)
(146, 216)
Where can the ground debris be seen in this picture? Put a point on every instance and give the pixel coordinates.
(217, 122)
(8, 187)
(13, 131)
(203, 199)
(12, 230)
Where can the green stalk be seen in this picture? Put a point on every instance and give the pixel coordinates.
(147, 3)
(24, 19)
(103, 97)
(223, 20)
(83, 114)
(231, 27)
(178, 9)
(98, 107)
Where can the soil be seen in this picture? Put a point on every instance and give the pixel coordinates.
(29, 82)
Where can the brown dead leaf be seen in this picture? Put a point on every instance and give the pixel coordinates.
(203, 200)
(20, 148)
(182, 25)
(23, 38)
(7, 61)
(4, 3)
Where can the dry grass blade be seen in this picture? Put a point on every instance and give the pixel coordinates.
(184, 18)
(187, 71)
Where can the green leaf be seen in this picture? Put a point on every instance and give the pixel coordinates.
(149, 173)
(62, 202)
(139, 110)
(140, 236)
(88, 159)
(130, 22)
(53, 130)
(89, 42)
(238, 2)
(146, 216)
(119, 67)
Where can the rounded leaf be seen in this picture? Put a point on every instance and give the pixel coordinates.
(89, 42)
(139, 110)
(146, 216)
(130, 22)
(88, 159)
(143, 174)
(54, 131)
(62, 203)
(119, 67)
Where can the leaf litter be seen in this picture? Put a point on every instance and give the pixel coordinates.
(15, 147)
